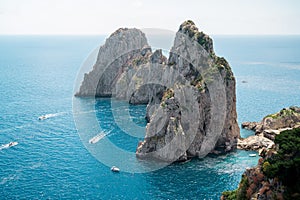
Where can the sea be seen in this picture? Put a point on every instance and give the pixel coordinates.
(54, 160)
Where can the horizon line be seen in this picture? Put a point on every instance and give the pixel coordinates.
(107, 34)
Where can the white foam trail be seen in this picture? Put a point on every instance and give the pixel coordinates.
(9, 178)
(8, 145)
(46, 116)
(98, 137)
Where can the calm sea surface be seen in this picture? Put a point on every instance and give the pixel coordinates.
(37, 75)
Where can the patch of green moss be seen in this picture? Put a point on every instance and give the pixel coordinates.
(168, 94)
(286, 163)
(283, 113)
(230, 195)
(222, 64)
(139, 61)
(241, 193)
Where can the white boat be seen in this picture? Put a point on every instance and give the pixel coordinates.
(8, 145)
(98, 137)
(42, 117)
(252, 155)
(115, 169)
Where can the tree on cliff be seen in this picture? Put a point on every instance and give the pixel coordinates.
(286, 163)
(277, 172)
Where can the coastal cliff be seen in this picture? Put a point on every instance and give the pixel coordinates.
(190, 96)
(123, 46)
(197, 114)
(277, 174)
(270, 126)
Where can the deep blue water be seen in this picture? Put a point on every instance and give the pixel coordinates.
(37, 75)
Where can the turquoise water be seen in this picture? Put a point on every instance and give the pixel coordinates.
(37, 74)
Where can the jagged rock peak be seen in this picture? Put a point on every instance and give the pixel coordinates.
(191, 97)
(121, 48)
(123, 30)
(189, 28)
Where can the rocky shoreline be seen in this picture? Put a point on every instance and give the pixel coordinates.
(267, 129)
(276, 176)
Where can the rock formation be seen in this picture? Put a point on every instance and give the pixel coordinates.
(197, 114)
(269, 127)
(277, 174)
(191, 97)
(115, 56)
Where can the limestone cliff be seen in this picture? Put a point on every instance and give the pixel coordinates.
(123, 46)
(191, 97)
(197, 114)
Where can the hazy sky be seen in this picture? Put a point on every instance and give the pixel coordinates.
(102, 17)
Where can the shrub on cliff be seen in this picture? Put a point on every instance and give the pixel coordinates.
(286, 163)
(240, 193)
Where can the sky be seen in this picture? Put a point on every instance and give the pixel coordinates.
(85, 17)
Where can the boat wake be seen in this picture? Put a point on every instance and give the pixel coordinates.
(98, 137)
(43, 117)
(8, 145)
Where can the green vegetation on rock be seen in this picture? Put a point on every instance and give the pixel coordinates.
(240, 193)
(277, 175)
(283, 113)
(286, 163)
(168, 94)
(230, 195)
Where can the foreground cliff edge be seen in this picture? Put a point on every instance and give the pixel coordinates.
(190, 97)
(277, 174)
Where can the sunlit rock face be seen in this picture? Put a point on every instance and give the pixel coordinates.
(190, 97)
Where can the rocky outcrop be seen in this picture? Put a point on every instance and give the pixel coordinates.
(287, 118)
(269, 127)
(255, 143)
(190, 97)
(197, 113)
(277, 174)
(114, 57)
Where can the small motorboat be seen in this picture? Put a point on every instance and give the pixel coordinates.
(6, 146)
(115, 169)
(252, 155)
(98, 137)
(42, 117)
(11, 144)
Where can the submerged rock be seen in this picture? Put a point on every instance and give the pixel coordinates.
(190, 97)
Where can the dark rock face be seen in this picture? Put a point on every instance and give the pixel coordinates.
(191, 95)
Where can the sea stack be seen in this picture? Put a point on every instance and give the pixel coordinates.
(190, 97)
